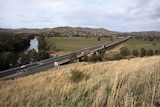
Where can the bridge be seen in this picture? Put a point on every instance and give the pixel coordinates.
(46, 64)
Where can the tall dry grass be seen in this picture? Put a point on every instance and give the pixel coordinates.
(126, 83)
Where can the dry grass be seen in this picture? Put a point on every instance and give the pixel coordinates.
(125, 83)
(113, 51)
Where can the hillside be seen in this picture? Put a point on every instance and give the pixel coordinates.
(126, 83)
(147, 33)
(77, 31)
(62, 31)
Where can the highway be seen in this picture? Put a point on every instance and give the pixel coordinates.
(46, 64)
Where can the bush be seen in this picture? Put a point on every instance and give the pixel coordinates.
(76, 75)
(142, 52)
(135, 53)
(157, 52)
(94, 58)
(153, 44)
(72, 57)
(150, 52)
(117, 57)
(124, 51)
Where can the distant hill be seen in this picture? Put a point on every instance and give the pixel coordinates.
(77, 31)
(63, 31)
(124, 83)
(147, 33)
(22, 30)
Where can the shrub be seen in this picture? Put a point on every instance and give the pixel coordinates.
(124, 51)
(142, 52)
(72, 57)
(94, 58)
(135, 53)
(76, 75)
(117, 57)
(157, 52)
(153, 43)
(150, 52)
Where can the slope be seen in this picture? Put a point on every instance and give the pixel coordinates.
(133, 82)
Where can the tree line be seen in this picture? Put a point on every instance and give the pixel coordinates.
(13, 42)
(125, 53)
(12, 47)
(148, 38)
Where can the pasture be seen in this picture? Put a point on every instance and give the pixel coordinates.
(134, 44)
(75, 43)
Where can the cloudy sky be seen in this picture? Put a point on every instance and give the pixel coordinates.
(115, 15)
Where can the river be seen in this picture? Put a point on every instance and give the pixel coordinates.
(33, 45)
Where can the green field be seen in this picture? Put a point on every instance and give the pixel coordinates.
(133, 44)
(75, 43)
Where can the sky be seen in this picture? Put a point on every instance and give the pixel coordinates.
(114, 15)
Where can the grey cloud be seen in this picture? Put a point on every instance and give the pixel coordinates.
(155, 12)
(115, 15)
(1, 18)
(143, 7)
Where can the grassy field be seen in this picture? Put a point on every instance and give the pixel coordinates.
(133, 44)
(138, 44)
(75, 43)
(70, 44)
(124, 83)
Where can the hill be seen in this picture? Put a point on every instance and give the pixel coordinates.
(19, 31)
(78, 31)
(147, 33)
(126, 83)
(62, 31)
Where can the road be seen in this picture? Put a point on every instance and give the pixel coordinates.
(46, 64)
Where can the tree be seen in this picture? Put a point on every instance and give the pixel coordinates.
(72, 57)
(52, 47)
(150, 52)
(24, 59)
(124, 51)
(1, 62)
(143, 52)
(1, 48)
(99, 38)
(156, 52)
(43, 55)
(94, 58)
(42, 44)
(135, 53)
(7, 59)
(43, 48)
(33, 55)
(116, 57)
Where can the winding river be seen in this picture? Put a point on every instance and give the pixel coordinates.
(33, 45)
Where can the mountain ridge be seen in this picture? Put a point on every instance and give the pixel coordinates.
(76, 31)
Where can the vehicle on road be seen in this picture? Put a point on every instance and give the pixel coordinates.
(23, 66)
(103, 46)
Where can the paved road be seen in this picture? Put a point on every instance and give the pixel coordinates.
(43, 65)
